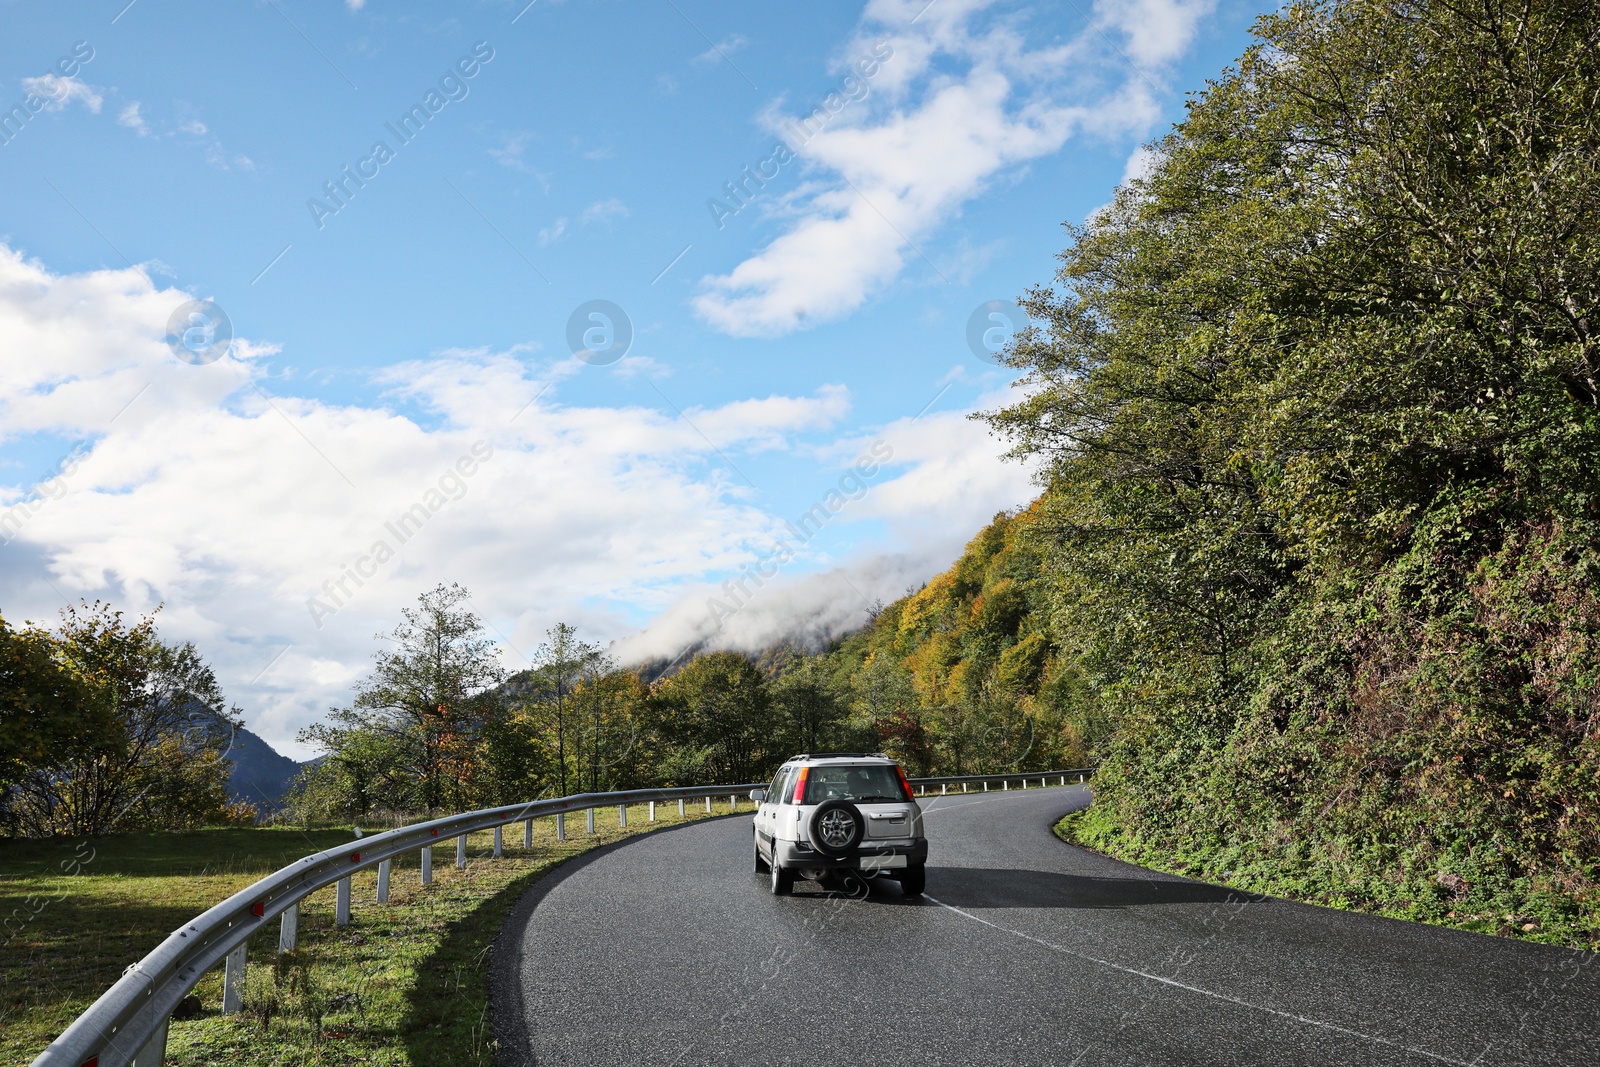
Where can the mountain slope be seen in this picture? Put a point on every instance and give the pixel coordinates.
(261, 774)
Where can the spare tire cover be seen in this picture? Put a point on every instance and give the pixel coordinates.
(837, 827)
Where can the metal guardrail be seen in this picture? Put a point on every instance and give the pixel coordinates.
(1005, 781)
(127, 1025)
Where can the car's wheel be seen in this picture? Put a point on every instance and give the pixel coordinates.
(782, 880)
(761, 864)
(914, 879)
(837, 827)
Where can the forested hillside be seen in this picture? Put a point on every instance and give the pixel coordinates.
(958, 678)
(962, 676)
(1317, 406)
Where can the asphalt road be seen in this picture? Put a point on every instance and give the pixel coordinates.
(668, 950)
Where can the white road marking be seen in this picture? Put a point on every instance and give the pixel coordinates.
(1203, 992)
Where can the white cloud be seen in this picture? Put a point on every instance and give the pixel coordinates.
(722, 49)
(810, 609)
(58, 92)
(602, 212)
(1141, 164)
(355, 5)
(216, 491)
(941, 483)
(959, 101)
(1157, 31)
(512, 153)
(554, 232)
(130, 117)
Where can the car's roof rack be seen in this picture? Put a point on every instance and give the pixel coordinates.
(839, 755)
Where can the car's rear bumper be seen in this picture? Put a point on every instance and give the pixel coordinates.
(869, 857)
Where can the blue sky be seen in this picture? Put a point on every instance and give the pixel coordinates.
(902, 164)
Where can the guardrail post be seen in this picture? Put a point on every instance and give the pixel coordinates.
(680, 808)
(590, 813)
(652, 811)
(561, 826)
(708, 805)
(498, 849)
(1080, 779)
(944, 788)
(289, 927)
(427, 864)
(1024, 783)
(233, 980)
(527, 834)
(622, 815)
(1005, 786)
(461, 852)
(341, 907)
(733, 802)
(985, 787)
(154, 1053)
(1063, 779)
(383, 880)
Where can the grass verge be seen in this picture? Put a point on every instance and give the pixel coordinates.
(1530, 917)
(406, 983)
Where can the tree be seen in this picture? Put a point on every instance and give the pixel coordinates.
(561, 661)
(885, 705)
(809, 714)
(517, 759)
(1317, 410)
(367, 764)
(46, 709)
(614, 731)
(429, 697)
(714, 717)
(159, 762)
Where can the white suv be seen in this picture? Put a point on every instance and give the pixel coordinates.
(832, 812)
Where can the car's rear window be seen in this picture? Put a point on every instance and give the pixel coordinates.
(869, 784)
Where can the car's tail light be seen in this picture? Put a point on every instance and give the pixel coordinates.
(799, 794)
(905, 783)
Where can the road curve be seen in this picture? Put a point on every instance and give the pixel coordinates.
(667, 950)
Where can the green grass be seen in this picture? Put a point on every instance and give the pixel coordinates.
(1546, 919)
(405, 983)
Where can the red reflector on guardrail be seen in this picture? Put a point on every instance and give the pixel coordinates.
(259, 908)
(435, 833)
(355, 857)
(92, 1061)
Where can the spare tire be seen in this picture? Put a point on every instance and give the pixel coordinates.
(837, 827)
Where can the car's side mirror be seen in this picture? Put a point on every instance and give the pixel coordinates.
(758, 795)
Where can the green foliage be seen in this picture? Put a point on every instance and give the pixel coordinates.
(141, 736)
(963, 676)
(45, 707)
(414, 728)
(810, 712)
(1317, 407)
(714, 717)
